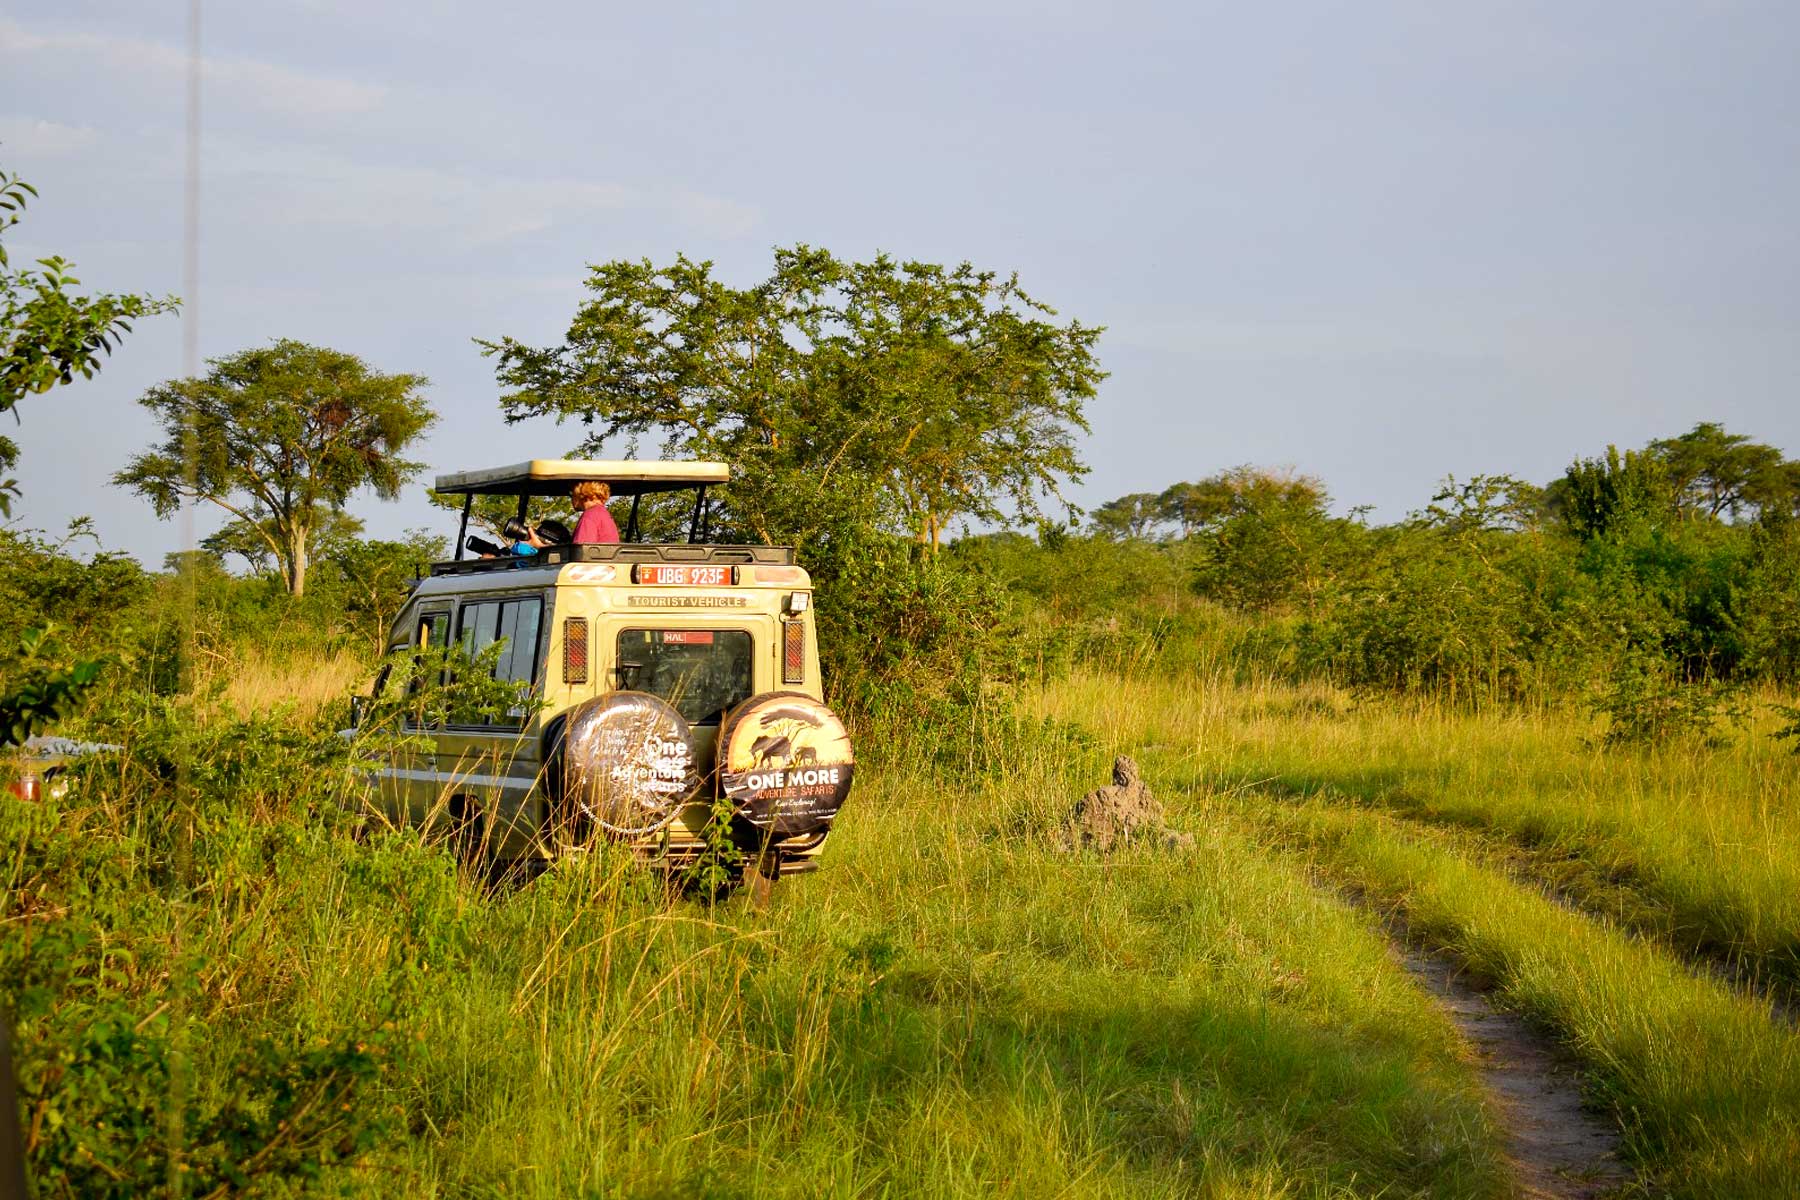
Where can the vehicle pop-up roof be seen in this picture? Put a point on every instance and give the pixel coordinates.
(556, 476)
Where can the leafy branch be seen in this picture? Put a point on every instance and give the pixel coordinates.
(45, 696)
(48, 334)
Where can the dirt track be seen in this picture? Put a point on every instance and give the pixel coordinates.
(1558, 1150)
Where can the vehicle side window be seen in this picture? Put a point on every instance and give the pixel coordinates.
(514, 621)
(702, 672)
(433, 631)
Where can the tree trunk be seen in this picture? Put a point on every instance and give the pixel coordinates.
(928, 534)
(296, 564)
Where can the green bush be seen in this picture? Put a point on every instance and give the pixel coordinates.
(156, 914)
(1646, 703)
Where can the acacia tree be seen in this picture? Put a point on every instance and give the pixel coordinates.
(48, 335)
(1717, 474)
(906, 391)
(1133, 516)
(278, 436)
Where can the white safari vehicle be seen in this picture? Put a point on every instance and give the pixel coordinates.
(674, 682)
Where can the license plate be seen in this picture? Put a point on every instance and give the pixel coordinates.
(683, 575)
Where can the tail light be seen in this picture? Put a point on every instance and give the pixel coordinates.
(575, 650)
(793, 651)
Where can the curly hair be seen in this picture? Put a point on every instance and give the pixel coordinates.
(588, 491)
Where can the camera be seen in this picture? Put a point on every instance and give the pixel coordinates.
(515, 530)
(480, 545)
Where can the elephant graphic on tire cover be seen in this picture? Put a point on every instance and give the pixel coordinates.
(767, 749)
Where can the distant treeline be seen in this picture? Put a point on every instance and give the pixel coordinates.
(1656, 584)
(1659, 581)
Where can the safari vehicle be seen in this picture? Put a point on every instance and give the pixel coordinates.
(672, 682)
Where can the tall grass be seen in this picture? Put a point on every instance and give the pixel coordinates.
(248, 680)
(949, 1007)
(1704, 1082)
(1708, 837)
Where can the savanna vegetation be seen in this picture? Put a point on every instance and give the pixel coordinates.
(1545, 730)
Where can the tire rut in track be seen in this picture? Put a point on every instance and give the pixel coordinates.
(1777, 996)
(1556, 1148)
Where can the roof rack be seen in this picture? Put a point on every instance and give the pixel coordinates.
(673, 552)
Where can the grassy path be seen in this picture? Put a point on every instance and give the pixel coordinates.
(952, 1008)
(1557, 1149)
(1704, 1085)
(1563, 876)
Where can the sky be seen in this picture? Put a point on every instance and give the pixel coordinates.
(1376, 242)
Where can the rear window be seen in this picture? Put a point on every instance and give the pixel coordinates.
(702, 672)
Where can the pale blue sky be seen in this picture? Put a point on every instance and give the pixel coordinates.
(1378, 242)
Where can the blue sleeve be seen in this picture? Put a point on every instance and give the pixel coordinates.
(524, 549)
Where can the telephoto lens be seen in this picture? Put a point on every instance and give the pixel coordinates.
(483, 546)
(516, 530)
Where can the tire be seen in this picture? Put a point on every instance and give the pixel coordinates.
(785, 762)
(468, 831)
(622, 765)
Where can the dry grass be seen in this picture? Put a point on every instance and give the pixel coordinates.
(252, 681)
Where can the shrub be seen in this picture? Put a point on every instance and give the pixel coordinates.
(1647, 703)
(154, 913)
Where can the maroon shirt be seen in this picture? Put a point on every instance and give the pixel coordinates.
(596, 525)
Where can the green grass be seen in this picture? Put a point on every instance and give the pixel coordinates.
(957, 1018)
(948, 1008)
(1703, 1082)
(1699, 844)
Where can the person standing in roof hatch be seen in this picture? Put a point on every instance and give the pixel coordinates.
(595, 524)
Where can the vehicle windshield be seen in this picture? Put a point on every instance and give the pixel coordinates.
(702, 672)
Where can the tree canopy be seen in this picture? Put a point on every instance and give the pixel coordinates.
(1718, 474)
(1134, 516)
(906, 391)
(48, 334)
(279, 436)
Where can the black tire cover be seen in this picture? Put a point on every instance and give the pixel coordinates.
(785, 762)
(627, 763)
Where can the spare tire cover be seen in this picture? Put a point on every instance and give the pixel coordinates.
(628, 762)
(785, 762)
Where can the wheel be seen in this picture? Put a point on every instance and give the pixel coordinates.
(760, 876)
(785, 761)
(622, 763)
(468, 831)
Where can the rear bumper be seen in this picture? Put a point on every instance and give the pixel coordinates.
(512, 826)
